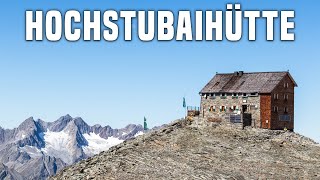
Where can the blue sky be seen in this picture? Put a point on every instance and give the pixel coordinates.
(120, 82)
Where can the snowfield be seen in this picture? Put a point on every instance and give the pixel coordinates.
(58, 144)
(39, 149)
(97, 144)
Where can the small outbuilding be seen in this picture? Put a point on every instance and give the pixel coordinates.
(257, 99)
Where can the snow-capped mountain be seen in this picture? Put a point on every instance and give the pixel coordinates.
(38, 149)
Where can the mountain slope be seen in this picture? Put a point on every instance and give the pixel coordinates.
(8, 174)
(38, 149)
(181, 151)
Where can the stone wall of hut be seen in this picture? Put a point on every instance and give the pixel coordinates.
(218, 108)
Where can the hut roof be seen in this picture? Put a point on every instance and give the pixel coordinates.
(239, 82)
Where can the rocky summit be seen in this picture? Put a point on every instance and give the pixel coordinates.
(38, 149)
(184, 151)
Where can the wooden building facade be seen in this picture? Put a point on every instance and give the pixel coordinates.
(261, 99)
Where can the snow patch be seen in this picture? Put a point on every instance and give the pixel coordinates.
(31, 151)
(97, 144)
(58, 144)
(138, 134)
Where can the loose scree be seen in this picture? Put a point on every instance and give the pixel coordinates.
(159, 25)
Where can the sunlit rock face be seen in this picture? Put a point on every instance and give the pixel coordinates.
(39, 149)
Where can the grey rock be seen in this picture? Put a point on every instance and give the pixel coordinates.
(9, 174)
(183, 151)
(60, 124)
(24, 153)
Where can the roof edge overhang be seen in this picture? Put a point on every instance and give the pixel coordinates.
(294, 82)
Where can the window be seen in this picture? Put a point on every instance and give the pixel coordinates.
(286, 96)
(212, 109)
(234, 108)
(253, 94)
(286, 109)
(235, 96)
(222, 108)
(212, 96)
(223, 94)
(286, 85)
(244, 94)
(284, 117)
(275, 96)
(275, 109)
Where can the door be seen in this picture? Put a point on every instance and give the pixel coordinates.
(244, 108)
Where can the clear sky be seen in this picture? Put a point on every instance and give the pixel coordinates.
(121, 82)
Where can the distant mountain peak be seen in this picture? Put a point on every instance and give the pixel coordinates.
(28, 121)
(50, 146)
(28, 125)
(61, 123)
(66, 117)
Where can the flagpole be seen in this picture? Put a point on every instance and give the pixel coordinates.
(184, 104)
(145, 128)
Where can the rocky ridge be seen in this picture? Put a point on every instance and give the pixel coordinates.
(184, 151)
(37, 149)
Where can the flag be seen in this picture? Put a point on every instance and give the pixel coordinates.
(145, 125)
(184, 102)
